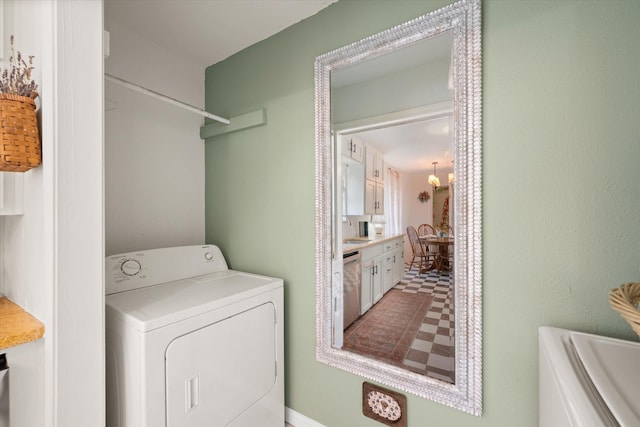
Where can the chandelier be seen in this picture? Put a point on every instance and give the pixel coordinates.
(433, 179)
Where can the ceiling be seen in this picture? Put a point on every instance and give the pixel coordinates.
(413, 147)
(207, 31)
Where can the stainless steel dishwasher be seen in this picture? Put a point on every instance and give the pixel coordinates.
(351, 283)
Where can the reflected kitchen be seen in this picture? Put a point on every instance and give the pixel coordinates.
(392, 110)
(397, 244)
(393, 133)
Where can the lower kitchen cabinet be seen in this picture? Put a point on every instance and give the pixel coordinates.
(398, 263)
(371, 291)
(387, 278)
(382, 269)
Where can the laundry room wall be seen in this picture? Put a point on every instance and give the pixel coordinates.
(560, 186)
(154, 157)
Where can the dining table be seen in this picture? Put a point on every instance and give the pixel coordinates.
(442, 257)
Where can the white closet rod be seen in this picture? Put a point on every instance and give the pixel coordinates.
(164, 98)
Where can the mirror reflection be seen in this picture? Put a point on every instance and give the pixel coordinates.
(397, 304)
(393, 127)
(396, 247)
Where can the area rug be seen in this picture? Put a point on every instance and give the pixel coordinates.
(386, 331)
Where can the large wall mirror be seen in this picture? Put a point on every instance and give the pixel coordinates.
(391, 110)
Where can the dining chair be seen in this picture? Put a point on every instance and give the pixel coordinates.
(427, 230)
(418, 249)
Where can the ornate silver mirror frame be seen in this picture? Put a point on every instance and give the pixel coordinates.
(463, 18)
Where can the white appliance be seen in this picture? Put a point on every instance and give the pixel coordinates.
(587, 380)
(192, 343)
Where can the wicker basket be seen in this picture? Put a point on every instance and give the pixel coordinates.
(19, 137)
(624, 300)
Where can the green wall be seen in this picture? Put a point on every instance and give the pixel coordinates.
(561, 189)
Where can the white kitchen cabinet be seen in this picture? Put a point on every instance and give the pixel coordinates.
(363, 183)
(374, 185)
(382, 269)
(373, 198)
(394, 263)
(398, 264)
(371, 283)
(374, 165)
(353, 148)
(377, 279)
(387, 278)
(371, 290)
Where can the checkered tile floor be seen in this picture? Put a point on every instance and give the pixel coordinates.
(432, 351)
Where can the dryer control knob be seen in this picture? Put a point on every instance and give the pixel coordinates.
(131, 267)
(208, 256)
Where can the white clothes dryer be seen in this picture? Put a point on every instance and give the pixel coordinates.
(587, 380)
(191, 343)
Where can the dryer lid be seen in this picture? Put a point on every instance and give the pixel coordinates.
(153, 307)
(612, 365)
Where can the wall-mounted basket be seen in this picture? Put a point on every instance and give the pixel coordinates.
(19, 136)
(624, 299)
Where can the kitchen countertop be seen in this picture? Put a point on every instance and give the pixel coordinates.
(16, 325)
(363, 242)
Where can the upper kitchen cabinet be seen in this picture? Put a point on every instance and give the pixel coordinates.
(353, 148)
(373, 198)
(363, 183)
(374, 165)
(374, 182)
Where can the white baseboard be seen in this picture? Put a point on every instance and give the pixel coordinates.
(298, 420)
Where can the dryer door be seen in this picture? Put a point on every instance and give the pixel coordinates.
(216, 373)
